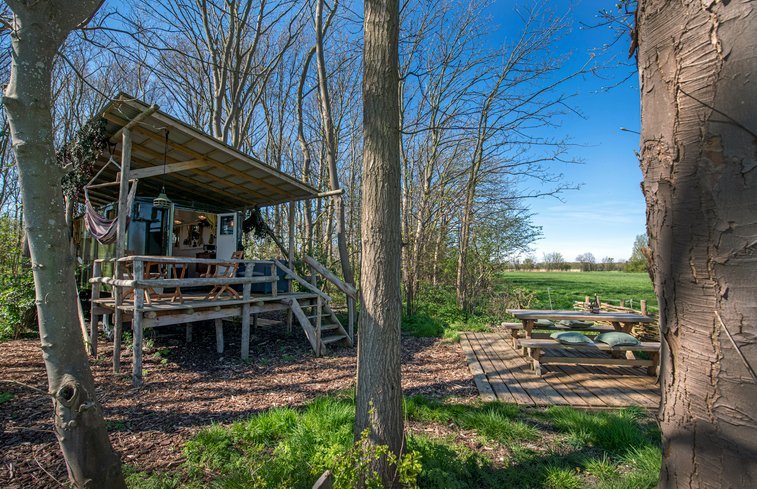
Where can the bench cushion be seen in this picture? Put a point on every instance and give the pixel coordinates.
(617, 338)
(570, 337)
(572, 323)
(544, 323)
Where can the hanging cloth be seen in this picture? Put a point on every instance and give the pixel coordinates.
(105, 230)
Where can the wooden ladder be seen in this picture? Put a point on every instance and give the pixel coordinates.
(320, 324)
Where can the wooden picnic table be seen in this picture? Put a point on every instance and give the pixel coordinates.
(621, 321)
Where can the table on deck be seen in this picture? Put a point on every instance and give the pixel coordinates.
(621, 321)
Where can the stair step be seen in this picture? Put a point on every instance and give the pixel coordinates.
(315, 316)
(328, 327)
(332, 339)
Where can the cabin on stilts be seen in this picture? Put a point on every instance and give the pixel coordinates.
(162, 246)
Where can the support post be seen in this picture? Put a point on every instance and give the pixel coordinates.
(351, 318)
(292, 215)
(644, 308)
(275, 283)
(318, 313)
(246, 288)
(93, 316)
(219, 335)
(117, 319)
(188, 332)
(136, 326)
(123, 212)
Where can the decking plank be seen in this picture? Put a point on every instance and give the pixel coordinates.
(541, 389)
(499, 377)
(479, 377)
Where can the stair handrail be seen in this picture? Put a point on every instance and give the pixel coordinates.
(302, 281)
(348, 289)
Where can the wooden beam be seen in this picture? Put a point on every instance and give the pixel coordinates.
(132, 123)
(172, 168)
(123, 192)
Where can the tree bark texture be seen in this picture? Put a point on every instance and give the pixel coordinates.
(39, 30)
(697, 63)
(379, 393)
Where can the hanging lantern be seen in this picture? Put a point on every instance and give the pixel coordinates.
(162, 201)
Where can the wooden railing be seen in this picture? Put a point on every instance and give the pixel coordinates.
(349, 291)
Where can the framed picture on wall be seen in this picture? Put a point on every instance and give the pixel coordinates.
(227, 225)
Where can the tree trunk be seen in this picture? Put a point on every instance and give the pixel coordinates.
(331, 144)
(39, 29)
(698, 148)
(379, 393)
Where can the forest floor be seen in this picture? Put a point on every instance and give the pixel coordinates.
(190, 386)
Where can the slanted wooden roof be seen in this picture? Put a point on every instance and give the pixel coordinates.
(203, 171)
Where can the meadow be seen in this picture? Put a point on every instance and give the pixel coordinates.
(558, 290)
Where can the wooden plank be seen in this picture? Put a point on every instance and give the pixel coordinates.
(171, 168)
(505, 385)
(485, 390)
(537, 388)
(580, 315)
(305, 323)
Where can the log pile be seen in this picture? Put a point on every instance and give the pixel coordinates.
(642, 331)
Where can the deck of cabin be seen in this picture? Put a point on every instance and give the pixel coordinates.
(147, 299)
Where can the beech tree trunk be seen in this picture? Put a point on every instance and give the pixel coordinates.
(379, 393)
(697, 62)
(38, 31)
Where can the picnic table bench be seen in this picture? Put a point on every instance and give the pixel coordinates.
(535, 347)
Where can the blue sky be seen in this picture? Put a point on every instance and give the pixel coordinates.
(607, 213)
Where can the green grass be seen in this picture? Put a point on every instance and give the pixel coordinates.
(559, 448)
(563, 288)
(6, 397)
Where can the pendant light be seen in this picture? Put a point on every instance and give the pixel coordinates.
(162, 201)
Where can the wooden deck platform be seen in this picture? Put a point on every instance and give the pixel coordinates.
(502, 373)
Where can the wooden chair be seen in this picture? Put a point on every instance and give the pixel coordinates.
(224, 270)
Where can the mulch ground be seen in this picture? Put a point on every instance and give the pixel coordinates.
(188, 386)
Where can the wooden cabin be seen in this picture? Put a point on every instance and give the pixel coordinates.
(176, 257)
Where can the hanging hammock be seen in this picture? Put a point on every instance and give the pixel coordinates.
(105, 230)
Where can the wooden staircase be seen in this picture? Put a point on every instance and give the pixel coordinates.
(314, 314)
(320, 324)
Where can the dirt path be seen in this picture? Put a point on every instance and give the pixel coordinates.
(188, 386)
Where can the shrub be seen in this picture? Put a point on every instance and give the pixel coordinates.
(18, 311)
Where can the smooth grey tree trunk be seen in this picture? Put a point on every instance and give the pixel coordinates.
(39, 30)
(379, 393)
(697, 62)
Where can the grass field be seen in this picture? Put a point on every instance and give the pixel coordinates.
(562, 288)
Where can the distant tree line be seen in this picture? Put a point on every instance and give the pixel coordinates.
(586, 262)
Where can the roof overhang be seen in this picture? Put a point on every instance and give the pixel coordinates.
(202, 172)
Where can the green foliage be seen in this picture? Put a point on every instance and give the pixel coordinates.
(437, 315)
(565, 288)
(79, 155)
(554, 448)
(6, 397)
(18, 310)
(638, 262)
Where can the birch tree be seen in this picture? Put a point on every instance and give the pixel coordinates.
(38, 29)
(698, 120)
